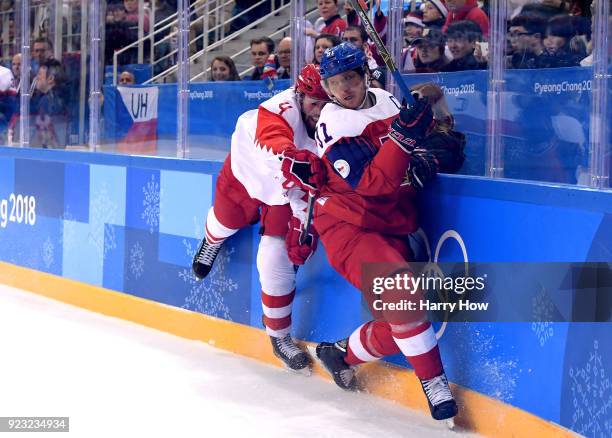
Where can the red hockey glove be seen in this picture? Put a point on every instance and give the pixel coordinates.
(412, 125)
(300, 253)
(303, 169)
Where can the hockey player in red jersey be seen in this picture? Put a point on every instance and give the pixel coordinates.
(376, 162)
(274, 136)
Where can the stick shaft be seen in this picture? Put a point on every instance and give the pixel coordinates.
(382, 50)
(308, 221)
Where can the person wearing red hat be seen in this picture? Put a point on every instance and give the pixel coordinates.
(434, 14)
(280, 131)
(466, 10)
(413, 28)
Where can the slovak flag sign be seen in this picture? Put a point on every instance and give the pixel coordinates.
(137, 119)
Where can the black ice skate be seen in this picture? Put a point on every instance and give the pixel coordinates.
(291, 355)
(441, 402)
(204, 258)
(331, 356)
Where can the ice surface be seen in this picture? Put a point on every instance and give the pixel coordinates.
(116, 378)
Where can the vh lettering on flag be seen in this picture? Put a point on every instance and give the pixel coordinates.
(137, 119)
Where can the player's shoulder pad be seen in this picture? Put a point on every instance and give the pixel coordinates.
(336, 122)
(285, 104)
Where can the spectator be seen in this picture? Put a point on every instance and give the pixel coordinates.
(580, 8)
(7, 5)
(118, 35)
(430, 52)
(413, 28)
(163, 10)
(380, 25)
(131, 21)
(409, 54)
(322, 43)
(434, 14)
(378, 78)
(270, 70)
(329, 20)
(546, 9)
(131, 16)
(261, 48)
(16, 70)
(526, 32)
(42, 50)
(461, 37)
(380, 20)
(557, 51)
(223, 68)
(358, 36)
(466, 10)
(284, 58)
(309, 43)
(7, 46)
(588, 61)
(48, 107)
(127, 78)
(352, 19)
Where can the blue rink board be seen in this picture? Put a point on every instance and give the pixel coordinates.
(136, 222)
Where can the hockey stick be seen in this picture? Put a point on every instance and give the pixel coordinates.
(359, 6)
(308, 221)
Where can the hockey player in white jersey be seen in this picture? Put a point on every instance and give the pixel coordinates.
(277, 136)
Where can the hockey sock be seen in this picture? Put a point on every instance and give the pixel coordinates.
(277, 278)
(420, 346)
(370, 342)
(216, 232)
(277, 313)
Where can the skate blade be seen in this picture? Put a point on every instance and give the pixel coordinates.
(312, 350)
(306, 371)
(450, 423)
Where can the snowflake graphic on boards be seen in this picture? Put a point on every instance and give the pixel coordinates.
(103, 211)
(137, 263)
(151, 203)
(592, 396)
(68, 240)
(48, 251)
(207, 296)
(542, 313)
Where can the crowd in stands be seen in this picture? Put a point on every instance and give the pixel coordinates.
(55, 83)
(449, 36)
(49, 98)
(439, 36)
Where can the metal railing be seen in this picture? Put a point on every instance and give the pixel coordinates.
(62, 22)
(7, 45)
(168, 28)
(248, 70)
(220, 29)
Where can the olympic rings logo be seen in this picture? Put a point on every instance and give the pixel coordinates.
(433, 269)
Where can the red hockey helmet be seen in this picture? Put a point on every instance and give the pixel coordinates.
(309, 83)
